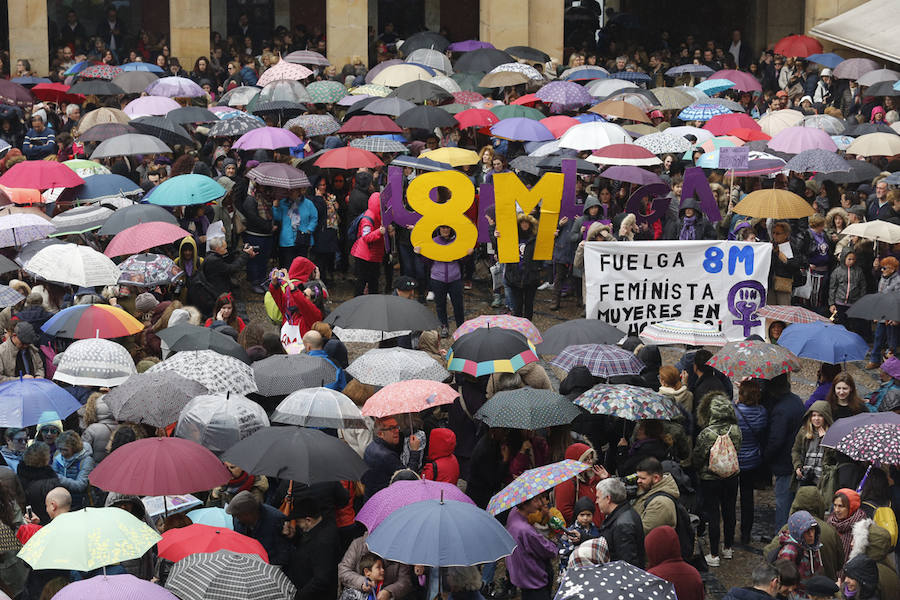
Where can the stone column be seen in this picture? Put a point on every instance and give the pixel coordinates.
(504, 23)
(218, 17)
(28, 38)
(189, 30)
(433, 15)
(545, 27)
(346, 24)
(283, 13)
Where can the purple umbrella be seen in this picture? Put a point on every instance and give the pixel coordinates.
(631, 175)
(743, 81)
(175, 87)
(267, 138)
(468, 46)
(114, 587)
(842, 427)
(567, 93)
(381, 67)
(795, 140)
(402, 493)
(522, 129)
(351, 100)
(148, 106)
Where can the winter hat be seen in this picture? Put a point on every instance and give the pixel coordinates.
(864, 570)
(892, 367)
(819, 585)
(25, 333)
(179, 315)
(859, 210)
(583, 504)
(145, 302)
(826, 72)
(851, 497)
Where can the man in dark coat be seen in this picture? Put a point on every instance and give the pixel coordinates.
(382, 455)
(219, 266)
(358, 202)
(263, 523)
(622, 528)
(785, 416)
(765, 585)
(313, 564)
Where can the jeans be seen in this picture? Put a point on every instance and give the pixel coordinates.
(720, 499)
(455, 289)
(784, 496)
(487, 574)
(366, 273)
(747, 480)
(523, 300)
(884, 335)
(256, 266)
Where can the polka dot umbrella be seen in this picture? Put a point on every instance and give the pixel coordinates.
(617, 579)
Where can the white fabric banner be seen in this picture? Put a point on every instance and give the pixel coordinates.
(633, 284)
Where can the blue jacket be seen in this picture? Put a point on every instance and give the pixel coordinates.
(248, 76)
(383, 461)
(281, 214)
(73, 474)
(784, 423)
(877, 397)
(753, 421)
(340, 380)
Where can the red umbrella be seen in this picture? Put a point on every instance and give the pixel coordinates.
(56, 92)
(624, 155)
(749, 135)
(467, 97)
(743, 82)
(370, 124)
(195, 539)
(40, 175)
(476, 117)
(722, 124)
(144, 236)
(798, 45)
(20, 196)
(559, 124)
(527, 100)
(348, 157)
(160, 467)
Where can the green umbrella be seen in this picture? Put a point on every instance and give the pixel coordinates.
(326, 92)
(455, 108)
(88, 539)
(507, 111)
(471, 82)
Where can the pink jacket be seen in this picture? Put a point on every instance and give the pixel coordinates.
(369, 244)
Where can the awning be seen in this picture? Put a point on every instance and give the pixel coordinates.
(873, 28)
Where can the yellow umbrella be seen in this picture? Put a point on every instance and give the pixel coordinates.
(774, 122)
(455, 157)
(774, 204)
(875, 144)
(397, 75)
(621, 109)
(503, 79)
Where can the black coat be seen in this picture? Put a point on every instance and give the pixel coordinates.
(218, 269)
(313, 564)
(624, 534)
(37, 483)
(526, 272)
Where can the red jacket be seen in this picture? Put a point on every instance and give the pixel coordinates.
(664, 560)
(568, 492)
(442, 464)
(369, 244)
(295, 307)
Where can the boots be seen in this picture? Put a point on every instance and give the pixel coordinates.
(556, 298)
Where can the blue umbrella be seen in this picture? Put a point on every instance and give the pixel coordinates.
(633, 76)
(690, 69)
(589, 118)
(29, 80)
(25, 402)
(142, 66)
(522, 129)
(98, 187)
(586, 75)
(829, 59)
(213, 516)
(825, 342)
(702, 112)
(714, 86)
(439, 533)
(184, 190)
(78, 67)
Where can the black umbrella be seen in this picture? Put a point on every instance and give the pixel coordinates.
(134, 215)
(281, 374)
(426, 117)
(876, 307)
(576, 332)
(390, 106)
(419, 92)
(191, 114)
(487, 344)
(191, 337)
(6, 265)
(528, 53)
(360, 105)
(164, 129)
(382, 312)
(424, 39)
(154, 398)
(104, 131)
(882, 88)
(96, 87)
(528, 409)
(860, 170)
(483, 59)
(554, 163)
(858, 129)
(296, 453)
(235, 126)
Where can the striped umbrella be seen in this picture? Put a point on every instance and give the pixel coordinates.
(278, 175)
(520, 324)
(92, 320)
(690, 333)
(603, 360)
(702, 112)
(227, 575)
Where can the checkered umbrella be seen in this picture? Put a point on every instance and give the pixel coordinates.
(216, 372)
(383, 366)
(534, 482)
(227, 575)
(326, 92)
(281, 374)
(378, 144)
(790, 314)
(9, 296)
(632, 76)
(520, 324)
(702, 112)
(283, 70)
(278, 175)
(319, 407)
(603, 360)
(528, 409)
(235, 126)
(627, 402)
(315, 125)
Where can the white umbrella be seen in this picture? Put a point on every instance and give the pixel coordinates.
(702, 135)
(216, 372)
(600, 88)
(875, 144)
(774, 122)
(593, 136)
(827, 123)
(877, 76)
(431, 58)
(663, 142)
(95, 362)
(219, 421)
(319, 407)
(446, 82)
(881, 231)
(515, 67)
(20, 228)
(73, 264)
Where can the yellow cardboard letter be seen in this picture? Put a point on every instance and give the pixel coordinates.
(508, 191)
(451, 213)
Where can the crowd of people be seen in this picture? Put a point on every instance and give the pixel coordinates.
(661, 495)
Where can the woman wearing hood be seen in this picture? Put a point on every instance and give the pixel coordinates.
(441, 464)
(693, 224)
(295, 299)
(73, 464)
(808, 456)
(860, 581)
(368, 249)
(799, 544)
(873, 541)
(664, 560)
(885, 331)
(524, 276)
(845, 513)
(98, 425)
(584, 484)
(189, 261)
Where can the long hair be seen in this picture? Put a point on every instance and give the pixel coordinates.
(854, 402)
(221, 301)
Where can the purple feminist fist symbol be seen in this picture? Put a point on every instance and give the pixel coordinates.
(744, 299)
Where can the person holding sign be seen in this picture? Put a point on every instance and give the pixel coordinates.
(446, 279)
(524, 276)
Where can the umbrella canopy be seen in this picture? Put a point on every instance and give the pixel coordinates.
(566, 94)
(534, 482)
(774, 204)
(426, 117)
(578, 331)
(146, 106)
(237, 126)
(307, 57)
(798, 45)
(723, 124)
(278, 175)
(20, 228)
(212, 516)
(159, 466)
(114, 587)
(155, 398)
(875, 144)
(430, 58)
(521, 129)
(527, 409)
(191, 114)
(663, 142)
(26, 402)
(452, 156)
(774, 122)
(14, 94)
(94, 362)
(631, 174)
(133, 82)
(743, 81)
(325, 92)
(624, 155)
(267, 138)
(690, 333)
(149, 270)
(9, 296)
(183, 336)
(104, 131)
(447, 533)
(825, 342)
(484, 351)
(854, 68)
(102, 115)
(618, 579)
(593, 136)
(226, 575)
(244, 94)
(790, 314)
(283, 69)
(347, 158)
(129, 145)
(175, 87)
(420, 92)
(383, 366)
(219, 421)
(795, 140)
(73, 264)
(403, 493)
(100, 71)
(382, 312)
(620, 109)
(878, 444)
(876, 307)
(483, 59)
(314, 125)
(378, 144)
(297, 453)
(702, 111)
(397, 74)
(181, 542)
(369, 124)
(40, 174)
(321, 408)
(522, 325)
(216, 372)
(95, 537)
(281, 374)
(144, 236)
(627, 402)
(164, 129)
(410, 396)
(391, 106)
(817, 160)
(106, 187)
(602, 360)
(426, 39)
(845, 426)
(759, 360)
(83, 321)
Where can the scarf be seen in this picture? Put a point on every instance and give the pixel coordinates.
(844, 528)
(241, 483)
(332, 220)
(263, 208)
(294, 214)
(688, 229)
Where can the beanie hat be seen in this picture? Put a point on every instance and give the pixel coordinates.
(145, 302)
(583, 504)
(851, 497)
(864, 570)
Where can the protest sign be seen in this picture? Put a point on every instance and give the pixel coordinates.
(734, 159)
(630, 285)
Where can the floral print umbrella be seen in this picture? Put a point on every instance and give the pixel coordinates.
(101, 72)
(603, 360)
(878, 444)
(534, 482)
(758, 360)
(627, 402)
(520, 324)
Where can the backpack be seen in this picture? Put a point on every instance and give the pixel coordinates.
(884, 516)
(683, 526)
(353, 230)
(200, 293)
(723, 459)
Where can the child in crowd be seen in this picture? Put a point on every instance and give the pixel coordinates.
(582, 531)
(372, 567)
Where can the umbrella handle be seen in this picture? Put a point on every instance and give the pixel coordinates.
(863, 481)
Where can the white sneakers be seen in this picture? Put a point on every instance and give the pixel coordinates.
(727, 553)
(712, 561)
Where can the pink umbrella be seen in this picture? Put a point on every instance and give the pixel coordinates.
(267, 138)
(795, 140)
(624, 154)
(144, 236)
(283, 70)
(722, 124)
(348, 157)
(522, 325)
(40, 175)
(410, 396)
(559, 124)
(147, 106)
(402, 493)
(744, 82)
